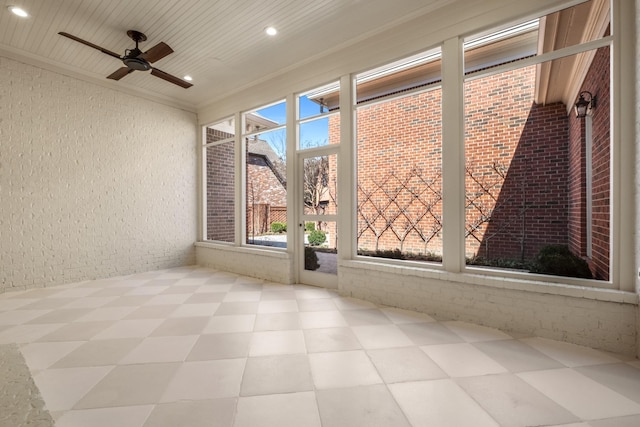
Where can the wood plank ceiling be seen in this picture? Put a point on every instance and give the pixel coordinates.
(220, 43)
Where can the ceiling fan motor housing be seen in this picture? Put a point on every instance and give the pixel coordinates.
(132, 60)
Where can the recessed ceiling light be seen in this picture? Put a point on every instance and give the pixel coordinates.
(18, 11)
(271, 31)
(188, 78)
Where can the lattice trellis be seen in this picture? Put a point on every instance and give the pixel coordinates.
(401, 203)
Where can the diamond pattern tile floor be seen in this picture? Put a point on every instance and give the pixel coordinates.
(198, 347)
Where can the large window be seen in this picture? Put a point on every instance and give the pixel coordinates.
(219, 153)
(465, 158)
(529, 198)
(265, 150)
(399, 159)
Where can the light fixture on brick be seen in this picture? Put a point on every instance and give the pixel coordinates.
(584, 106)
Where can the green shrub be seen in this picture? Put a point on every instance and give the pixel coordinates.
(310, 226)
(278, 227)
(310, 259)
(317, 237)
(558, 260)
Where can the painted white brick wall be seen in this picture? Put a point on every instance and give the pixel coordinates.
(93, 182)
(271, 266)
(595, 323)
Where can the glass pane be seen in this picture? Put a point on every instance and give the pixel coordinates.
(320, 132)
(399, 155)
(265, 118)
(568, 27)
(319, 101)
(320, 185)
(320, 247)
(537, 177)
(266, 189)
(220, 194)
(220, 131)
(422, 70)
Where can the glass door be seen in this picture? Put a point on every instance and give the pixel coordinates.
(317, 212)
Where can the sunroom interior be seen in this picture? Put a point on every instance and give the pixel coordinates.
(433, 169)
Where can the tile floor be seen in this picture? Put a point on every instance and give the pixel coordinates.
(196, 347)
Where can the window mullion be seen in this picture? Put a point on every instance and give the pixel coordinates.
(452, 156)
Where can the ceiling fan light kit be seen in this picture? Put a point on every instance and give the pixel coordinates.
(136, 60)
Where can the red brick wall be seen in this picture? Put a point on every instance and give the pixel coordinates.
(399, 174)
(516, 153)
(220, 188)
(596, 82)
(264, 191)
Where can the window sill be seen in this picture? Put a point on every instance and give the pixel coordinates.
(267, 252)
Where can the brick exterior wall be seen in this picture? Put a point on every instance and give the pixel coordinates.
(264, 192)
(220, 187)
(516, 153)
(399, 156)
(596, 82)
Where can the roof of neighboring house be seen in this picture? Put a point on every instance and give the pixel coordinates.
(260, 147)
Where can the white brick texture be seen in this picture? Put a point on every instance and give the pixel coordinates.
(599, 324)
(93, 182)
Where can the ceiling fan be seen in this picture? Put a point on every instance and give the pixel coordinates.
(134, 59)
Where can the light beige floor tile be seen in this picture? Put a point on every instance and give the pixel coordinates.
(62, 315)
(42, 355)
(161, 349)
(229, 324)
(582, 396)
(399, 316)
(129, 329)
(272, 294)
(79, 331)
(26, 333)
(381, 336)
(316, 304)
(108, 313)
(204, 297)
(98, 353)
(249, 296)
(330, 339)
(199, 413)
(517, 356)
(276, 342)
(62, 388)
(619, 377)
(322, 319)
(221, 346)
(405, 364)
(181, 326)
(347, 303)
(160, 311)
(277, 322)
(193, 310)
(127, 416)
(512, 402)
(462, 360)
(167, 299)
(18, 317)
(278, 410)
(570, 355)
(342, 369)
(474, 333)
(90, 302)
(130, 301)
(306, 292)
(280, 306)
(276, 374)
(235, 308)
(364, 406)
(439, 403)
(221, 379)
(7, 304)
(365, 317)
(147, 290)
(127, 385)
(429, 333)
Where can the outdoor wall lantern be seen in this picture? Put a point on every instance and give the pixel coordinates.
(584, 106)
